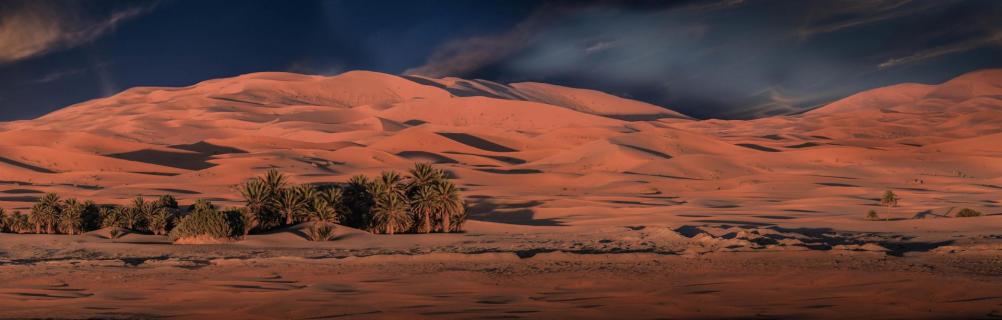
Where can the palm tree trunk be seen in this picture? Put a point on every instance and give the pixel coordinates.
(446, 223)
(288, 218)
(426, 222)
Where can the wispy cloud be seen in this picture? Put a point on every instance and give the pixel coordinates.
(67, 73)
(993, 39)
(458, 57)
(461, 56)
(838, 16)
(34, 28)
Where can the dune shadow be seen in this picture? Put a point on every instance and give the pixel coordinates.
(648, 151)
(475, 142)
(757, 147)
(774, 137)
(804, 145)
(510, 171)
(207, 148)
(21, 191)
(25, 166)
(20, 199)
(508, 160)
(426, 156)
(517, 213)
(836, 184)
(180, 160)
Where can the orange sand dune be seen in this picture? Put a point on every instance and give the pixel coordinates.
(543, 168)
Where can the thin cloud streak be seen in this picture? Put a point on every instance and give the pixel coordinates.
(36, 28)
(989, 40)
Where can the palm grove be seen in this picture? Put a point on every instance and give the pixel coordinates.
(424, 201)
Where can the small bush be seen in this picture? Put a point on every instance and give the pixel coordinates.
(204, 221)
(237, 219)
(872, 215)
(889, 199)
(116, 232)
(319, 231)
(968, 213)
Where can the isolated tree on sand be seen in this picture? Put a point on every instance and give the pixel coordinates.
(889, 199)
(872, 215)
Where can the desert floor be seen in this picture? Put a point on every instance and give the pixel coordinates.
(632, 272)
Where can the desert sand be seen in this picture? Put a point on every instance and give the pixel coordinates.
(582, 204)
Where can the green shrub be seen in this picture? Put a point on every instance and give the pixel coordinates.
(872, 215)
(320, 231)
(968, 213)
(204, 221)
(889, 199)
(237, 220)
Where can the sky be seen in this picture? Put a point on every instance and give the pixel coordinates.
(729, 59)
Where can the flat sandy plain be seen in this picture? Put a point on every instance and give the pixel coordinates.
(583, 205)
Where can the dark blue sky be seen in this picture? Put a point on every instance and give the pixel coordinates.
(727, 59)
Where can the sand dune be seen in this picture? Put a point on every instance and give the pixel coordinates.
(542, 167)
(324, 128)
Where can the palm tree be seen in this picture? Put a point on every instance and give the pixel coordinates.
(290, 204)
(390, 214)
(258, 198)
(18, 223)
(322, 211)
(135, 216)
(358, 199)
(167, 201)
(45, 213)
(275, 181)
(391, 181)
(111, 216)
(423, 174)
(335, 198)
(91, 218)
(307, 192)
(71, 217)
(159, 220)
(424, 202)
(453, 210)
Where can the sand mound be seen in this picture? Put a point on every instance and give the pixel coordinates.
(527, 154)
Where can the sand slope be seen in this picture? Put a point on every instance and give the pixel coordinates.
(526, 153)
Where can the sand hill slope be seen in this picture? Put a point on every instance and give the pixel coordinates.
(524, 153)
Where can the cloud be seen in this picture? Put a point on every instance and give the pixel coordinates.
(458, 57)
(34, 28)
(67, 73)
(993, 39)
(838, 16)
